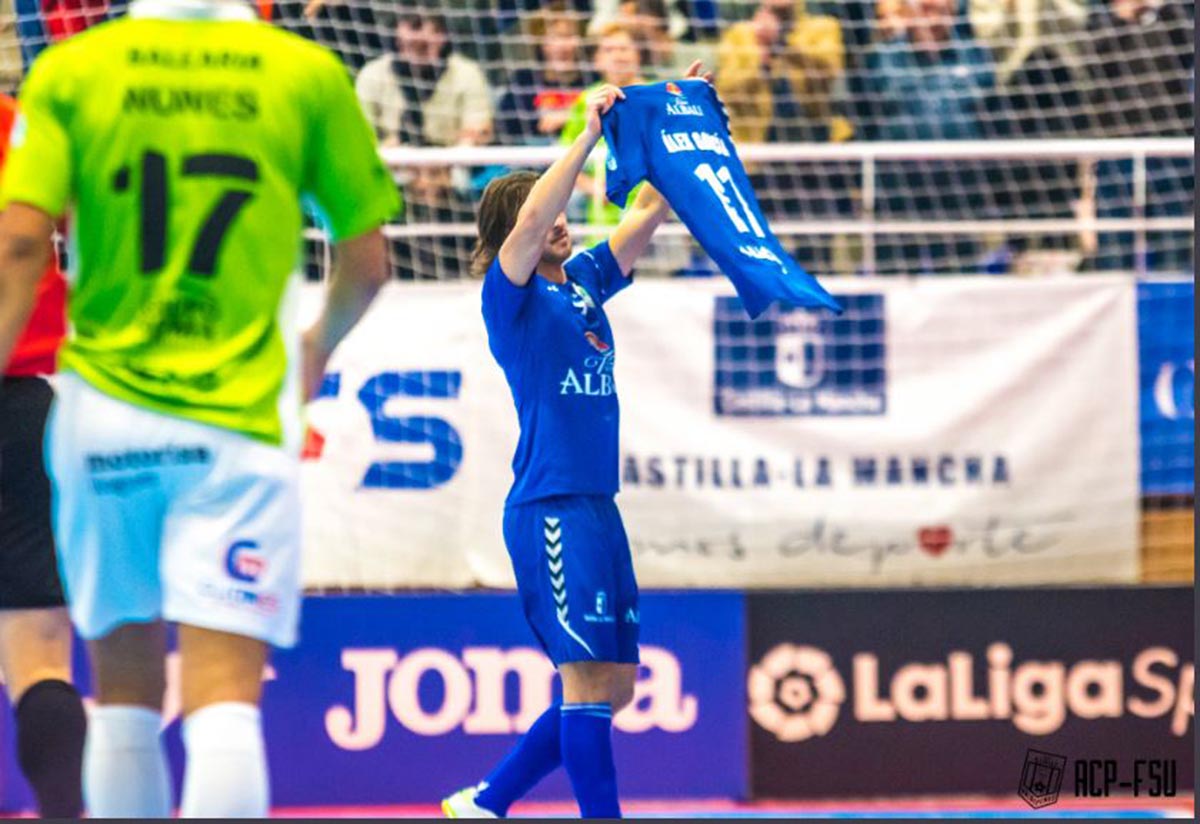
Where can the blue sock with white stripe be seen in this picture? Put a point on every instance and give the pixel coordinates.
(534, 757)
(587, 754)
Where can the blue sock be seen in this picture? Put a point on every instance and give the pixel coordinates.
(587, 754)
(534, 757)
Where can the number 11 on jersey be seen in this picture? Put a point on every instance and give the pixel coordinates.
(718, 180)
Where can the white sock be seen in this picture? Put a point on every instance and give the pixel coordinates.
(124, 766)
(226, 775)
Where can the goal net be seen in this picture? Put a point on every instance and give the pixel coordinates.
(900, 137)
(510, 72)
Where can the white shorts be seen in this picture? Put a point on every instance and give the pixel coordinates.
(157, 516)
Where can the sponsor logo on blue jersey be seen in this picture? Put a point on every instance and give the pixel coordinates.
(793, 362)
(582, 300)
(597, 343)
(595, 379)
(683, 108)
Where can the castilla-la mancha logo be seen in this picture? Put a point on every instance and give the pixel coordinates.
(795, 692)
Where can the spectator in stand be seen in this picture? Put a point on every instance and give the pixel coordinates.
(924, 79)
(430, 196)
(655, 24)
(1015, 31)
(1142, 61)
(511, 13)
(857, 18)
(672, 13)
(777, 73)
(10, 50)
(618, 62)
(537, 104)
(426, 94)
(348, 28)
(1036, 45)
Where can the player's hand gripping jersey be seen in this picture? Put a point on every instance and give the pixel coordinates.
(181, 149)
(676, 135)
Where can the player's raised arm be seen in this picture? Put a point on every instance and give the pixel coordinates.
(522, 249)
(25, 234)
(633, 234)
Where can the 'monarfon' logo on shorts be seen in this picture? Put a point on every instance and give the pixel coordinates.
(244, 562)
(134, 460)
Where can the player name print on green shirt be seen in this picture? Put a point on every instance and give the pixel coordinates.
(182, 162)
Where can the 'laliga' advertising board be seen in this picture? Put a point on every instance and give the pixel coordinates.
(924, 691)
(941, 431)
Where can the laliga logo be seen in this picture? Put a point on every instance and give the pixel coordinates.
(244, 563)
(795, 692)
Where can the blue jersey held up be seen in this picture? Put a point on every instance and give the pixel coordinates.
(556, 348)
(676, 135)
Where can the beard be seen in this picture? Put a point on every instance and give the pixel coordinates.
(557, 253)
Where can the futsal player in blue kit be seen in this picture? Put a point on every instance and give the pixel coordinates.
(544, 313)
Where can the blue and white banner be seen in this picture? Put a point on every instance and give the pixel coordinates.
(941, 431)
(403, 699)
(1167, 347)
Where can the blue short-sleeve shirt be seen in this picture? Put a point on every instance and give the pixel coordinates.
(555, 345)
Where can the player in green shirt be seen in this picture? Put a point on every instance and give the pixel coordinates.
(180, 142)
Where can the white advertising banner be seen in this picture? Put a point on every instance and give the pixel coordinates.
(942, 431)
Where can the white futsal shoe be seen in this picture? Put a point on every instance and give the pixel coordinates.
(462, 805)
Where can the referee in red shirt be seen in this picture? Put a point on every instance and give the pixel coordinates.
(35, 631)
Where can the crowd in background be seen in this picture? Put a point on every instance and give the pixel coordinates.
(515, 72)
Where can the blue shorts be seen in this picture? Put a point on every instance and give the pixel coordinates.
(575, 576)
